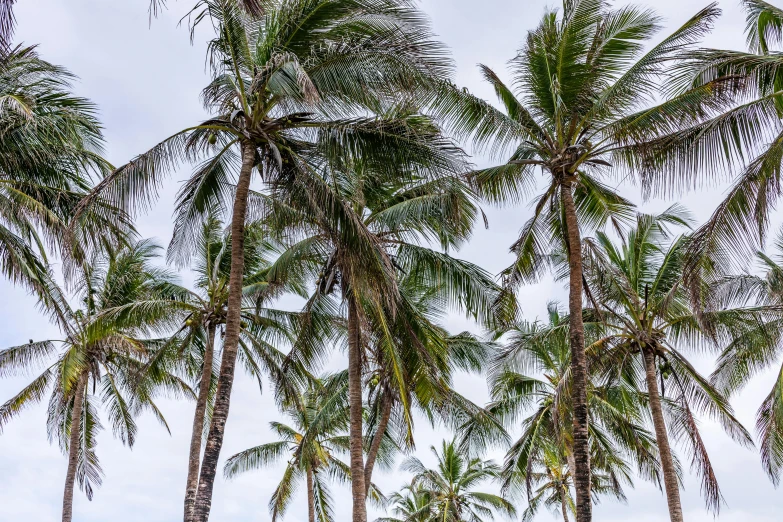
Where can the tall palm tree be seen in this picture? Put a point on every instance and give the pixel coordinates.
(450, 487)
(310, 446)
(533, 374)
(574, 112)
(744, 357)
(50, 144)
(100, 351)
(639, 291)
(383, 201)
(283, 83)
(198, 315)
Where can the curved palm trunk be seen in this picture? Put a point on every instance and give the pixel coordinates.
(198, 424)
(584, 508)
(228, 363)
(358, 488)
(310, 497)
(73, 445)
(667, 462)
(372, 455)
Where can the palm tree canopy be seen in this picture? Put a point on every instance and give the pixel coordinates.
(111, 348)
(450, 487)
(639, 291)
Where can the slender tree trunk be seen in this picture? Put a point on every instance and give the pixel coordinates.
(667, 463)
(310, 497)
(584, 508)
(227, 366)
(564, 506)
(358, 488)
(198, 424)
(372, 455)
(73, 445)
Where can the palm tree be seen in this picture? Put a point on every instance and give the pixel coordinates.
(744, 357)
(101, 351)
(580, 79)
(310, 446)
(450, 487)
(639, 292)
(410, 504)
(199, 314)
(533, 374)
(51, 141)
(283, 83)
(381, 202)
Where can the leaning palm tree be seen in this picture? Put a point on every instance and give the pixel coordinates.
(50, 144)
(638, 290)
(304, 72)
(101, 351)
(742, 359)
(532, 380)
(580, 80)
(450, 487)
(310, 447)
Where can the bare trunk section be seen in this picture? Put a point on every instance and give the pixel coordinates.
(372, 455)
(228, 363)
(73, 445)
(667, 462)
(198, 424)
(310, 497)
(358, 488)
(584, 508)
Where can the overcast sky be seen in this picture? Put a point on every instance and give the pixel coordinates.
(146, 81)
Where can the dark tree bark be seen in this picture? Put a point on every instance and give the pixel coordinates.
(372, 455)
(358, 488)
(667, 462)
(584, 508)
(73, 445)
(198, 424)
(310, 497)
(230, 344)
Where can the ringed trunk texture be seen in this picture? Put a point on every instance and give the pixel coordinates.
(198, 424)
(372, 455)
(228, 363)
(667, 463)
(358, 488)
(73, 445)
(584, 508)
(310, 497)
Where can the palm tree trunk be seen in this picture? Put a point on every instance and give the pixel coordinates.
(73, 445)
(564, 506)
(355, 413)
(310, 497)
(584, 508)
(667, 462)
(372, 455)
(198, 424)
(230, 343)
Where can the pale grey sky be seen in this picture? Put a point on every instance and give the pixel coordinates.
(146, 81)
